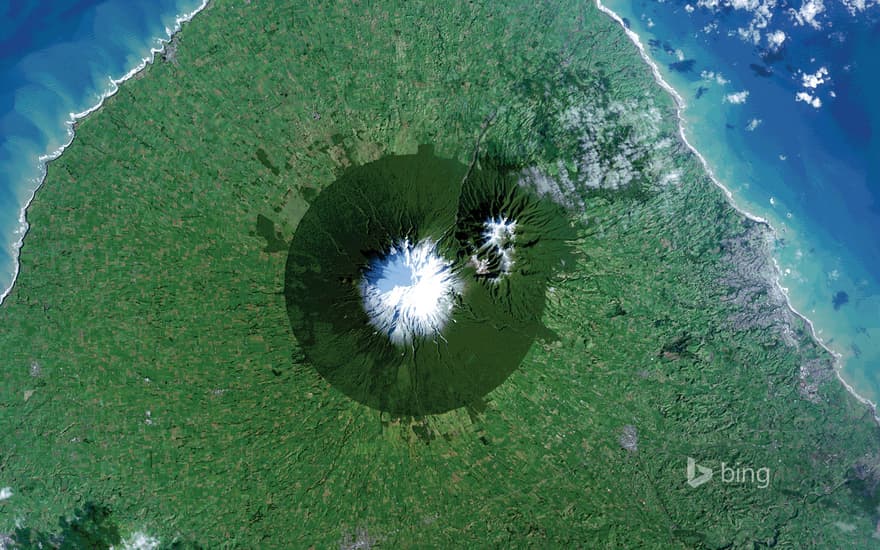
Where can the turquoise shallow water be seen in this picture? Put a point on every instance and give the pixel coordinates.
(56, 59)
(781, 108)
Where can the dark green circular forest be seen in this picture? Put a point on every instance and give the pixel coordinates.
(496, 310)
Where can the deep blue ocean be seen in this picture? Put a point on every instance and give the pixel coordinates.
(781, 100)
(57, 58)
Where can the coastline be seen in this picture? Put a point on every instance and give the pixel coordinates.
(176, 398)
(680, 105)
(45, 159)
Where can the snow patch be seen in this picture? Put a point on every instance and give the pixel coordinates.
(410, 291)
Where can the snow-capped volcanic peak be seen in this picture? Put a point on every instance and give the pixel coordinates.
(409, 292)
(494, 257)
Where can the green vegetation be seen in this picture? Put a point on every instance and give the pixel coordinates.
(150, 365)
(421, 198)
(90, 527)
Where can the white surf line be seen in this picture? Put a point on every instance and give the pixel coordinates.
(44, 160)
(679, 112)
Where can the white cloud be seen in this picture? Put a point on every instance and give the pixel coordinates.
(748, 5)
(737, 98)
(712, 75)
(809, 10)
(775, 39)
(750, 34)
(670, 178)
(809, 99)
(5, 493)
(812, 82)
(761, 12)
(855, 6)
(816, 79)
(753, 124)
(140, 541)
(643, 155)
